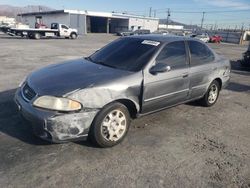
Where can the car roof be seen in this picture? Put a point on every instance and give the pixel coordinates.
(163, 38)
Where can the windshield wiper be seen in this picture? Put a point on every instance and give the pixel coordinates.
(104, 64)
(89, 59)
(98, 62)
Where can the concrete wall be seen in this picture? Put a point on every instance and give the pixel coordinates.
(78, 21)
(143, 23)
(118, 25)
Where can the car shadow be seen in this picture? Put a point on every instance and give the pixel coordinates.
(12, 124)
(237, 68)
(233, 86)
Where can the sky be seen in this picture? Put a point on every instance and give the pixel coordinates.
(223, 13)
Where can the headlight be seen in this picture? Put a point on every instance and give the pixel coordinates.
(57, 103)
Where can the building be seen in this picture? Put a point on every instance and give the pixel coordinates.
(168, 24)
(173, 27)
(91, 22)
(4, 20)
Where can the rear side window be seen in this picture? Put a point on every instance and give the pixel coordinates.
(200, 53)
(173, 54)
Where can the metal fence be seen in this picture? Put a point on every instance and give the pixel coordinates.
(227, 36)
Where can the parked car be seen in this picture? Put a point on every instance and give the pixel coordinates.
(216, 39)
(141, 32)
(124, 33)
(203, 37)
(95, 97)
(246, 58)
(191, 35)
(136, 32)
(161, 32)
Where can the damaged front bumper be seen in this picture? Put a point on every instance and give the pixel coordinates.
(54, 126)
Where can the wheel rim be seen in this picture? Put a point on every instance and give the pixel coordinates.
(114, 126)
(213, 94)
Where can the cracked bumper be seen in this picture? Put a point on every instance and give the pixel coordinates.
(54, 126)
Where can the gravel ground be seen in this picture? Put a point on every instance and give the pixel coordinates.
(185, 146)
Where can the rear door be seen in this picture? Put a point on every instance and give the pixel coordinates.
(168, 88)
(201, 68)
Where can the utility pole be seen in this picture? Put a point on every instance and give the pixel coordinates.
(150, 12)
(235, 28)
(202, 20)
(168, 17)
(154, 13)
(242, 27)
(215, 26)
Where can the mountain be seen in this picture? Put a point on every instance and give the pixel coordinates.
(12, 11)
(171, 22)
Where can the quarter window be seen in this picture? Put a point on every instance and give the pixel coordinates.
(173, 54)
(200, 53)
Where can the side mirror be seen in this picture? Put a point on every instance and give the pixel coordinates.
(160, 68)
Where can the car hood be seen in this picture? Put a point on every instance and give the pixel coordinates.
(65, 78)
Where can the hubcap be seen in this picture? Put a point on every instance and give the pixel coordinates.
(114, 126)
(213, 94)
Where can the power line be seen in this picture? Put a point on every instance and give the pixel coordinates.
(150, 11)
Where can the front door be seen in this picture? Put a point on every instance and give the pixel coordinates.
(64, 31)
(201, 68)
(168, 88)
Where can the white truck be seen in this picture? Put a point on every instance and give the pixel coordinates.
(56, 30)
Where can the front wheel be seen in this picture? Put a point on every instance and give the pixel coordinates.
(212, 94)
(110, 126)
(73, 36)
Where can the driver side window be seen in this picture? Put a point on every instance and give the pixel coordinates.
(174, 55)
(64, 27)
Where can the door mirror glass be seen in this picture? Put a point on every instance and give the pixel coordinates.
(160, 68)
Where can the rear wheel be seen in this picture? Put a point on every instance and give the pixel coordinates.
(37, 36)
(212, 94)
(110, 125)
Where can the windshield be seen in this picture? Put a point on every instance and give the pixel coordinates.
(130, 54)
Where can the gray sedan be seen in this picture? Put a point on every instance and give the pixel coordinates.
(97, 96)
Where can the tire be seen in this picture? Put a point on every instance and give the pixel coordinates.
(37, 36)
(29, 36)
(212, 94)
(73, 35)
(106, 131)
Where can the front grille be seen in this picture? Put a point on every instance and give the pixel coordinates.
(28, 93)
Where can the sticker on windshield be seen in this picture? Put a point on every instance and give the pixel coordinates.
(150, 42)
